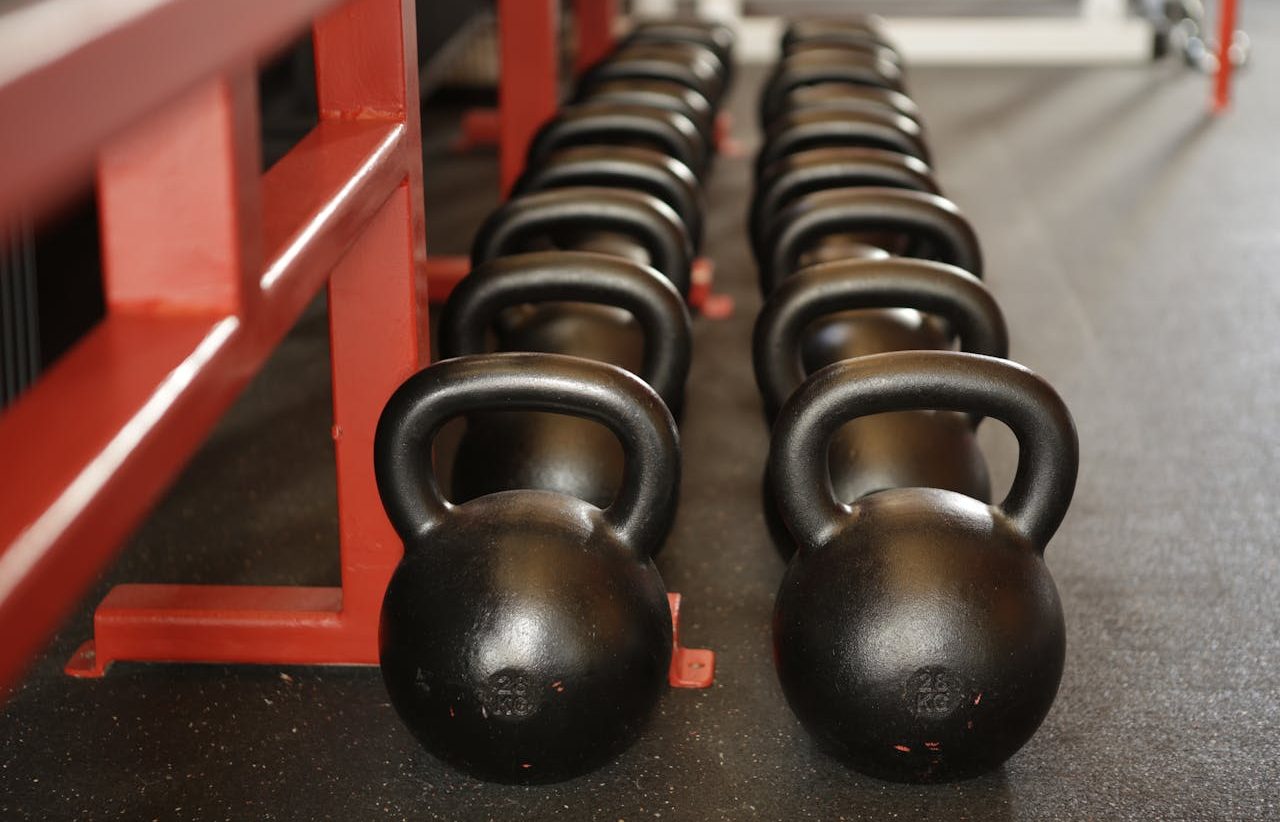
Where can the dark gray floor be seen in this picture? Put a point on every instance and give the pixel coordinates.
(1133, 245)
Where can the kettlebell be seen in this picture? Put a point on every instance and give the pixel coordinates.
(835, 311)
(807, 69)
(601, 123)
(880, 51)
(525, 636)
(688, 64)
(641, 169)
(918, 635)
(664, 94)
(575, 303)
(931, 225)
(820, 128)
(818, 169)
(864, 29)
(642, 226)
(716, 36)
(845, 96)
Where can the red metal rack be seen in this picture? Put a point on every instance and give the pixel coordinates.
(208, 263)
(1226, 33)
(528, 37)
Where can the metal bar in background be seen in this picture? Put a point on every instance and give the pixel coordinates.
(19, 311)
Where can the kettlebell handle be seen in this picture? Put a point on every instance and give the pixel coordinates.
(652, 223)
(1048, 458)
(635, 167)
(818, 169)
(838, 210)
(595, 123)
(887, 130)
(579, 276)
(847, 285)
(555, 383)
(858, 69)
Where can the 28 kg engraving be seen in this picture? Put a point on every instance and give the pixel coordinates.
(934, 693)
(508, 694)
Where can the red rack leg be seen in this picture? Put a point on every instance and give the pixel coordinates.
(367, 82)
(479, 127)
(528, 80)
(445, 271)
(1226, 30)
(690, 667)
(594, 19)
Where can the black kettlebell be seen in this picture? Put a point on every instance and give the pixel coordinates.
(819, 128)
(818, 169)
(880, 51)
(641, 169)
(577, 303)
(931, 226)
(807, 69)
(716, 36)
(665, 94)
(689, 64)
(632, 224)
(525, 635)
(918, 634)
(845, 96)
(835, 311)
(865, 29)
(614, 124)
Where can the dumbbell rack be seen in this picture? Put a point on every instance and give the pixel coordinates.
(208, 263)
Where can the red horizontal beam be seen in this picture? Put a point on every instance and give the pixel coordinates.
(74, 74)
(221, 623)
(124, 409)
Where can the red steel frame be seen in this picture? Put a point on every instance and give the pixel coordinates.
(595, 20)
(207, 265)
(1222, 80)
(528, 37)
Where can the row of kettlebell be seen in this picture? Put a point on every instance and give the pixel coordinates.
(526, 635)
(917, 633)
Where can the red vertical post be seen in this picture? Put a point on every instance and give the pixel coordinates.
(180, 204)
(378, 292)
(528, 78)
(594, 19)
(1226, 29)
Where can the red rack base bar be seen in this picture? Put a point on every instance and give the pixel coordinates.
(269, 625)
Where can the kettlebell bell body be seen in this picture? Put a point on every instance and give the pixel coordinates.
(525, 636)
(917, 633)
